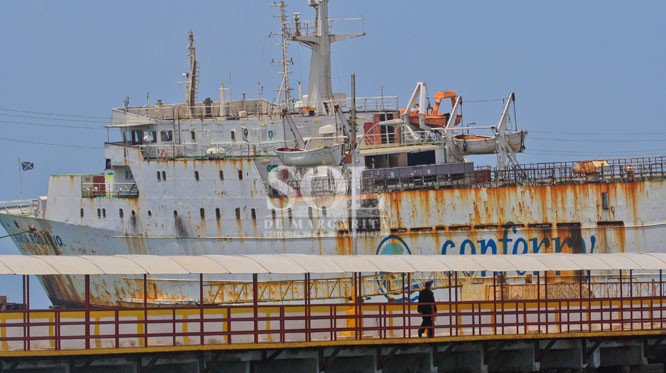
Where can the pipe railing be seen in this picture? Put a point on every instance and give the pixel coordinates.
(358, 318)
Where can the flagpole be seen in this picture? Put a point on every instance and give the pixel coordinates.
(20, 180)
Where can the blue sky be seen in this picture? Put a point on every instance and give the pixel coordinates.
(588, 75)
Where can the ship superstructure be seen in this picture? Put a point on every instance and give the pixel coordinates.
(327, 174)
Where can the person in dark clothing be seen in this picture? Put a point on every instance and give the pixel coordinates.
(427, 308)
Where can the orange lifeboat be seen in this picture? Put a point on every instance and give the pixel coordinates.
(433, 118)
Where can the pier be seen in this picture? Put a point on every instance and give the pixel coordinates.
(574, 312)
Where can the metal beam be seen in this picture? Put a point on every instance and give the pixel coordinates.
(211, 364)
(539, 354)
(490, 355)
(587, 353)
(449, 348)
(325, 362)
(150, 365)
(382, 361)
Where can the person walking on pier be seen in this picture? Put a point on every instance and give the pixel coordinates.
(427, 308)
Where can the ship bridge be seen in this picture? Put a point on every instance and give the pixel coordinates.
(611, 314)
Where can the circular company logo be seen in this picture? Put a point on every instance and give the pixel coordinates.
(391, 284)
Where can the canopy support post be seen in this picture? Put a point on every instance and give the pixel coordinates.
(306, 291)
(255, 306)
(409, 305)
(631, 300)
(456, 291)
(26, 312)
(145, 310)
(87, 311)
(494, 303)
(450, 305)
(621, 313)
(404, 308)
(661, 300)
(201, 310)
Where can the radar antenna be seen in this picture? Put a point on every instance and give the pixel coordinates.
(193, 74)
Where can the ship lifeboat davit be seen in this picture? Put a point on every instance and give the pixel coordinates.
(433, 118)
(477, 144)
(321, 156)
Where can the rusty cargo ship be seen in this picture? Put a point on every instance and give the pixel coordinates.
(324, 173)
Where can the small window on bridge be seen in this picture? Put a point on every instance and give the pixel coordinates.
(221, 175)
(163, 175)
(81, 214)
(237, 212)
(254, 214)
(240, 174)
(159, 176)
(218, 215)
(196, 175)
(121, 213)
(104, 213)
(202, 213)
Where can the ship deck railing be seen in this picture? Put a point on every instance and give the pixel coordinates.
(539, 174)
(19, 207)
(238, 109)
(112, 190)
(613, 308)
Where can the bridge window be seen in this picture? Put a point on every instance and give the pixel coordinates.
(166, 136)
(99, 213)
(196, 175)
(273, 214)
(194, 135)
(240, 174)
(221, 175)
(104, 213)
(121, 213)
(81, 214)
(175, 213)
(237, 212)
(218, 215)
(233, 135)
(159, 176)
(133, 213)
(254, 214)
(164, 175)
(202, 213)
(150, 213)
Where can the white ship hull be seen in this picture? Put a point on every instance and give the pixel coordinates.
(447, 222)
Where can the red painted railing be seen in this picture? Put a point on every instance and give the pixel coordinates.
(357, 320)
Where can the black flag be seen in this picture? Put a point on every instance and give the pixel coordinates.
(27, 166)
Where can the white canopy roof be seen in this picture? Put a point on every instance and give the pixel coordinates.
(299, 264)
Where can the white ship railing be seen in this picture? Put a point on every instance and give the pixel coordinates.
(114, 190)
(19, 207)
(309, 27)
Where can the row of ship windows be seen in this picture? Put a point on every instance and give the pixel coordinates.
(101, 213)
(161, 175)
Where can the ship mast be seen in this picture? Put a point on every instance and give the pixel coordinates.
(285, 88)
(318, 38)
(193, 74)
